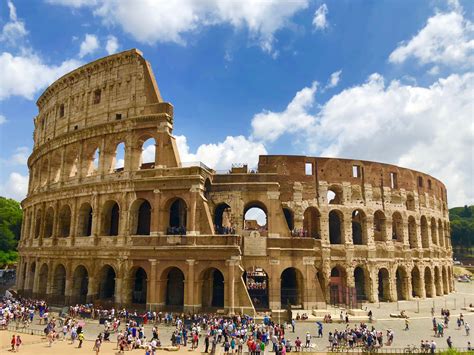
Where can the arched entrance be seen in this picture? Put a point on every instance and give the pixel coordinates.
(256, 281)
(291, 286)
(428, 283)
(380, 230)
(412, 238)
(335, 227)
(174, 288)
(178, 215)
(80, 285)
(384, 285)
(110, 218)
(139, 286)
(312, 222)
(65, 221)
(223, 219)
(141, 217)
(59, 282)
(361, 281)
(212, 289)
(416, 285)
(85, 220)
(359, 228)
(402, 283)
(339, 292)
(397, 227)
(255, 217)
(107, 284)
(445, 280)
(43, 280)
(424, 232)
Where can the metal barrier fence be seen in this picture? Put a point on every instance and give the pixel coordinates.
(384, 350)
(25, 330)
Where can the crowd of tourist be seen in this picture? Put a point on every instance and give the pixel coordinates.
(303, 233)
(181, 230)
(224, 229)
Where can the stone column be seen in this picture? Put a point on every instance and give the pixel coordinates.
(369, 230)
(155, 228)
(152, 292)
(36, 278)
(274, 294)
(189, 287)
(231, 285)
(50, 279)
(191, 227)
(19, 275)
(68, 291)
(92, 289)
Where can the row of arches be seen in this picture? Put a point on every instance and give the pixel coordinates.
(90, 160)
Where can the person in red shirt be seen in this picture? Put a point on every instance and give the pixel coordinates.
(13, 343)
(298, 344)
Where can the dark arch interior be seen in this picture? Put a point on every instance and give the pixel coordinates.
(290, 287)
(80, 284)
(289, 218)
(59, 286)
(177, 222)
(107, 284)
(311, 222)
(360, 283)
(383, 285)
(139, 287)
(415, 282)
(357, 237)
(222, 215)
(85, 221)
(207, 189)
(144, 218)
(213, 289)
(43, 279)
(114, 220)
(48, 223)
(335, 228)
(175, 287)
(65, 222)
(401, 282)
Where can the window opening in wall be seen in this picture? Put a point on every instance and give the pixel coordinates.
(420, 181)
(255, 218)
(95, 161)
(119, 157)
(393, 181)
(334, 195)
(356, 171)
(289, 218)
(148, 154)
(97, 95)
(429, 184)
(61, 110)
(308, 169)
(223, 221)
(118, 116)
(76, 127)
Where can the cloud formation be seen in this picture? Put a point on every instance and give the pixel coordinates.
(320, 21)
(112, 45)
(14, 29)
(89, 45)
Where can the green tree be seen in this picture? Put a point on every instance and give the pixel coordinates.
(10, 229)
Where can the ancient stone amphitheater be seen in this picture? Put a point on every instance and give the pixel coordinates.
(146, 229)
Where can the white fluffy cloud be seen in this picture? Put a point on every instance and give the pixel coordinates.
(14, 29)
(320, 21)
(112, 45)
(446, 39)
(151, 21)
(223, 154)
(89, 45)
(25, 75)
(268, 126)
(16, 187)
(334, 79)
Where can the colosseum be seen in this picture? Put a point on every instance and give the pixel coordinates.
(150, 231)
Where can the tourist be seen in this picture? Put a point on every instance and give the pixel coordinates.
(449, 342)
(80, 337)
(18, 343)
(13, 343)
(467, 328)
(97, 345)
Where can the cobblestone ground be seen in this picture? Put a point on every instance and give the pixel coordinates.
(418, 311)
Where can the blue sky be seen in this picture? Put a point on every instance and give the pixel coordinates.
(390, 81)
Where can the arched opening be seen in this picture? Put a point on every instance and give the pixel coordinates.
(223, 219)
(178, 216)
(410, 203)
(38, 223)
(424, 232)
(65, 221)
(139, 286)
(339, 292)
(438, 282)
(118, 162)
(80, 284)
(148, 156)
(106, 290)
(397, 227)
(256, 281)
(445, 280)
(175, 288)
(434, 238)
(440, 233)
(55, 166)
(289, 218)
(384, 285)
(93, 166)
(291, 284)
(140, 214)
(207, 189)
(110, 218)
(412, 238)
(402, 283)
(31, 276)
(59, 283)
(361, 283)
(212, 289)
(48, 223)
(428, 283)
(334, 195)
(416, 285)
(312, 222)
(359, 228)
(85, 220)
(255, 217)
(43, 280)
(335, 227)
(380, 230)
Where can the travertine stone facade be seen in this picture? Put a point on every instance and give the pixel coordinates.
(150, 233)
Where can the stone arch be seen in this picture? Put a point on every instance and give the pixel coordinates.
(91, 160)
(445, 280)
(412, 235)
(416, 282)
(71, 161)
(253, 211)
(397, 227)
(212, 293)
(380, 228)
(334, 195)
(140, 217)
(359, 227)
(174, 287)
(49, 223)
(440, 233)
(434, 237)
(139, 286)
(106, 290)
(410, 203)
(80, 284)
(38, 223)
(401, 281)
(148, 153)
(177, 212)
(312, 222)
(118, 159)
(43, 279)
(55, 166)
(291, 287)
(425, 243)
(59, 281)
(65, 221)
(338, 285)
(256, 281)
(438, 281)
(336, 227)
(383, 285)
(362, 283)
(85, 216)
(110, 218)
(223, 218)
(428, 283)
(289, 217)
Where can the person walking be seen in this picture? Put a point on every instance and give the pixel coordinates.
(449, 342)
(80, 337)
(407, 322)
(13, 343)
(467, 328)
(206, 343)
